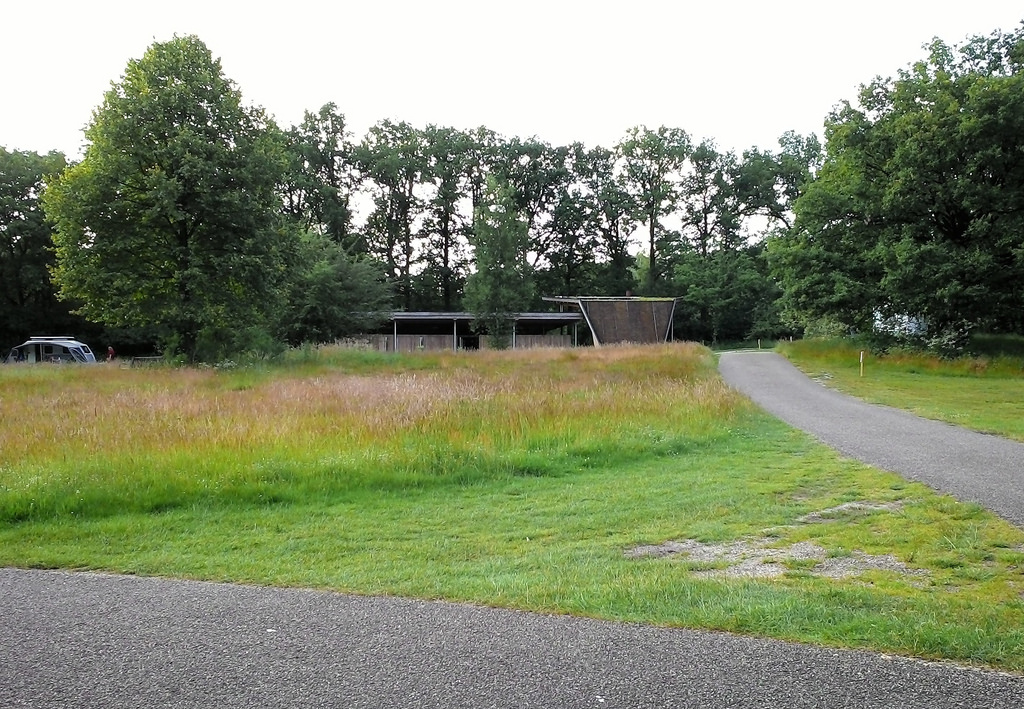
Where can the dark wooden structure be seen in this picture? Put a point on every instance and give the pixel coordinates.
(614, 320)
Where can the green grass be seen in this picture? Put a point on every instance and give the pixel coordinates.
(984, 393)
(525, 492)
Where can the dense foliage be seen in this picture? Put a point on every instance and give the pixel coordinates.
(170, 220)
(28, 304)
(916, 219)
(501, 285)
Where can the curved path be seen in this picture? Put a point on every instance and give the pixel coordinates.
(970, 466)
(94, 640)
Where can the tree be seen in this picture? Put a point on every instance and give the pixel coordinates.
(651, 165)
(501, 286)
(767, 184)
(826, 264)
(320, 180)
(710, 227)
(710, 209)
(391, 157)
(570, 261)
(726, 293)
(448, 153)
(28, 298)
(332, 294)
(726, 296)
(612, 212)
(172, 217)
(918, 209)
(484, 149)
(536, 172)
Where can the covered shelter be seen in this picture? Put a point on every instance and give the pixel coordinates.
(614, 320)
(417, 331)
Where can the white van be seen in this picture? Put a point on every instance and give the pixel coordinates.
(61, 348)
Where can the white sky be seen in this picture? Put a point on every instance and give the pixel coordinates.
(741, 72)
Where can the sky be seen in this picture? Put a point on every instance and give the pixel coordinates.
(739, 72)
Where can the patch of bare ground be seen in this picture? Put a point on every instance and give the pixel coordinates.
(763, 558)
(755, 558)
(848, 510)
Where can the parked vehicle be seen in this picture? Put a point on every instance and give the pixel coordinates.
(59, 348)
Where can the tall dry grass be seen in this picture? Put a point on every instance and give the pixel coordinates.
(93, 440)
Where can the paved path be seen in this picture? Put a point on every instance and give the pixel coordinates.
(94, 640)
(970, 466)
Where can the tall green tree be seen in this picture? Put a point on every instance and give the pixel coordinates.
(721, 274)
(537, 173)
(652, 162)
(172, 219)
(919, 205)
(710, 208)
(727, 295)
(710, 227)
(768, 184)
(28, 300)
(448, 153)
(827, 264)
(321, 177)
(570, 261)
(612, 218)
(391, 159)
(502, 283)
(484, 149)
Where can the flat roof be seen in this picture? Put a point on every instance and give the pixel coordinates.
(575, 299)
(407, 316)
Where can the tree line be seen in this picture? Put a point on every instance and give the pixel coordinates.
(195, 222)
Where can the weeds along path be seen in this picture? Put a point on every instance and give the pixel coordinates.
(973, 467)
(92, 640)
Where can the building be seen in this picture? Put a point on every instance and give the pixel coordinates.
(609, 321)
(417, 331)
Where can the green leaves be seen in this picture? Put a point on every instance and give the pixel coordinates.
(27, 302)
(332, 294)
(501, 286)
(172, 215)
(921, 199)
(652, 161)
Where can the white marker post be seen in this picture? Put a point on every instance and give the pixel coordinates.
(862, 363)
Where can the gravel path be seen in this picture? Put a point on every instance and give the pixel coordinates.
(970, 466)
(94, 640)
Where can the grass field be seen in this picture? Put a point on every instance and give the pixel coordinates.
(984, 393)
(519, 479)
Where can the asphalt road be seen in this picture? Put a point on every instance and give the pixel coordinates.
(93, 640)
(970, 466)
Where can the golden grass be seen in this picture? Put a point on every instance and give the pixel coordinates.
(108, 427)
(106, 410)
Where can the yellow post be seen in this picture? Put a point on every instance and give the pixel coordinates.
(862, 363)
